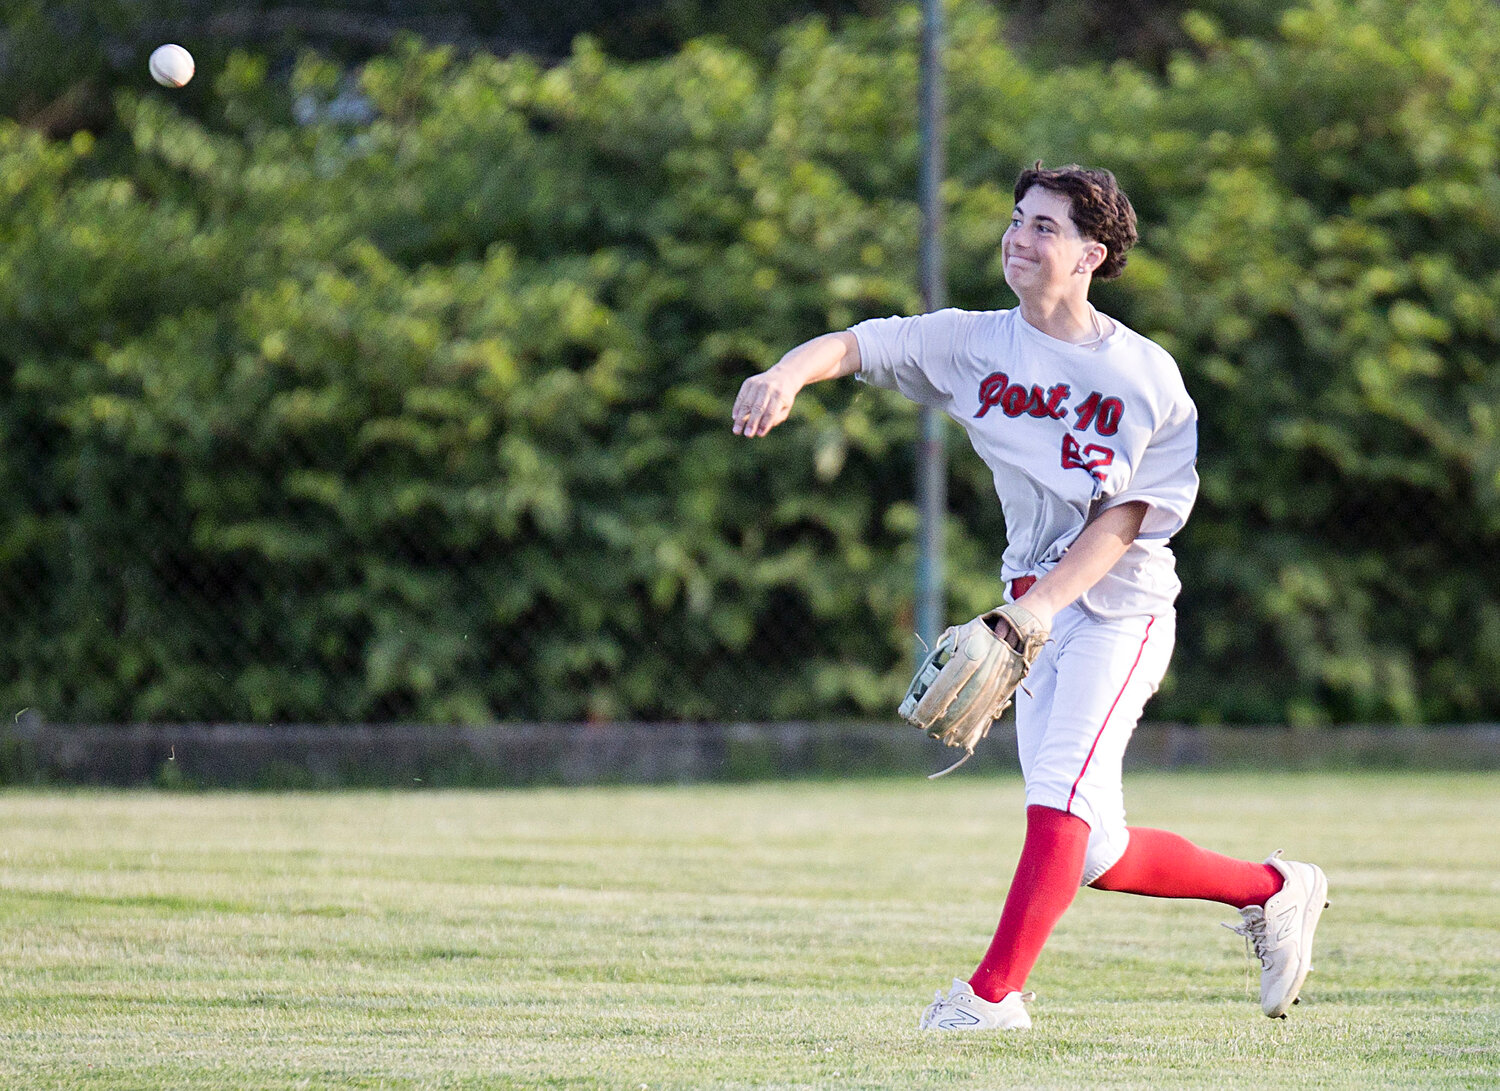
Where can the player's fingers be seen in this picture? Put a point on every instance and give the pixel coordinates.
(758, 412)
(1007, 632)
(746, 419)
(747, 405)
(769, 416)
(742, 414)
(776, 414)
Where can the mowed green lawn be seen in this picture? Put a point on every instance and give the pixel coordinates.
(775, 935)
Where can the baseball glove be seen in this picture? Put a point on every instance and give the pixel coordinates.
(968, 678)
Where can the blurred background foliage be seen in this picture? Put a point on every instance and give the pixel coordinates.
(61, 59)
(383, 373)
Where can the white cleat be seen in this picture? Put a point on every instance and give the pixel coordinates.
(962, 1010)
(1282, 932)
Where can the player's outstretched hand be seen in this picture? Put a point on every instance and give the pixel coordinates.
(764, 401)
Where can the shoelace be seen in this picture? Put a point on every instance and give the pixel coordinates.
(1254, 931)
(933, 1009)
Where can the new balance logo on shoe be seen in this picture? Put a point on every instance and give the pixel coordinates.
(1287, 921)
(957, 1019)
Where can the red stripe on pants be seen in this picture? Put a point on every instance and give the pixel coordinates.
(1100, 733)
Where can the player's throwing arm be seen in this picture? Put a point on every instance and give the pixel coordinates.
(765, 400)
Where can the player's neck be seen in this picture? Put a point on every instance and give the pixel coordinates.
(1066, 318)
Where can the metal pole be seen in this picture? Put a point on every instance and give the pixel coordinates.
(932, 483)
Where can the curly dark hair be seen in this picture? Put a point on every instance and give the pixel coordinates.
(1101, 211)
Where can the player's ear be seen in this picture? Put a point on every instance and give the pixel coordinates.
(1093, 257)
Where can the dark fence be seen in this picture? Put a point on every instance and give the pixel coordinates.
(412, 756)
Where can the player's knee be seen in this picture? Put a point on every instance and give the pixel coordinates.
(1107, 842)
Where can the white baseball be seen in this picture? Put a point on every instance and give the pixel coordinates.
(171, 65)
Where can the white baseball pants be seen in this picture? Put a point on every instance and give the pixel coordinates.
(1088, 688)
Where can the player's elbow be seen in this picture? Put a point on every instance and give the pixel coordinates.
(848, 347)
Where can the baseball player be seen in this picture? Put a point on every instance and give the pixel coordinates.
(1092, 439)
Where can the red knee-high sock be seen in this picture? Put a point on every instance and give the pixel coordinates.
(1163, 865)
(1047, 877)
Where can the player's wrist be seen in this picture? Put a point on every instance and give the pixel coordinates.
(788, 374)
(1040, 604)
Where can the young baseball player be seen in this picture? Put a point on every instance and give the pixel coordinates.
(1092, 439)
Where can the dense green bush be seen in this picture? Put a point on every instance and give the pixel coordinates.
(423, 414)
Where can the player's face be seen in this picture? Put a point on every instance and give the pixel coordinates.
(1042, 250)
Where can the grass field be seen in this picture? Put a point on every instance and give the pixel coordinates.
(782, 935)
